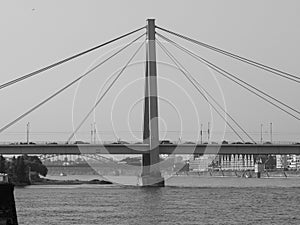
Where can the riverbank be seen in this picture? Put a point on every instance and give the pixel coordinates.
(182, 180)
(246, 173)
(44, 181)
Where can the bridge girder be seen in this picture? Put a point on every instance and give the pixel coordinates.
(70, 149)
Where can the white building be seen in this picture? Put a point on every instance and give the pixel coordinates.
(288, 161)
(202, 162)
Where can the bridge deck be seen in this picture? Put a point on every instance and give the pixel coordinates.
(143, 148)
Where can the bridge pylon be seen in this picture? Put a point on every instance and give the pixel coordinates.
(151, 175)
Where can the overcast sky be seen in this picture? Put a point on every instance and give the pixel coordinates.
(37, 33)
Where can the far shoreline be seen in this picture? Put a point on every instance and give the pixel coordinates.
(44, 181)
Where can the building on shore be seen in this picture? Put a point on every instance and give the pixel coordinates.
(288, 162)
(223, 162)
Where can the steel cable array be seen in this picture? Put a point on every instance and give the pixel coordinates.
(67, 86)
(65, 60)
(240, 58)
(102, 96)
(196, 84)
(235, 79)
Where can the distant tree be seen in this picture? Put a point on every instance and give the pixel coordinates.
(10, 170)
(270, 163)
(185, 168)
(213, 164)
(13, 165)
(21, 171)
(2, 164)
(36, 165)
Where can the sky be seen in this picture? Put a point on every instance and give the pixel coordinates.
(35, 34)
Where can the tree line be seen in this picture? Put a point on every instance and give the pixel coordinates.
(22, 169)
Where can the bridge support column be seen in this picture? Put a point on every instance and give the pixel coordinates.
(151, 175)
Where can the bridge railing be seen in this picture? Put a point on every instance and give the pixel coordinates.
(140, 142)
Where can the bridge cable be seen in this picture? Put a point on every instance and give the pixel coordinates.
(67, 86)
(240, 58)
(229, 76)
(102, 96)
(187, 73)
(184, 72)
(65, 60)
(192, 81)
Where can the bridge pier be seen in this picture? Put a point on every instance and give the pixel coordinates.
(151, 175)
(153, 180)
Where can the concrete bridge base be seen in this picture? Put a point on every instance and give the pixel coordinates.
(152, 181)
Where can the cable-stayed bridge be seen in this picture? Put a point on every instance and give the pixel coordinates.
(151, 147)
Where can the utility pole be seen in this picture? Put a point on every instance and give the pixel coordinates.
(92, 133)
(201, 133)
(95, 133)
(208, 132)
(261, 133)
(27, 132)
(271, 132)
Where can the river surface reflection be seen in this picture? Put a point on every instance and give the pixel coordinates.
(186, 200)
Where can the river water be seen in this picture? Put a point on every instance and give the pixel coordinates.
(185, 200)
